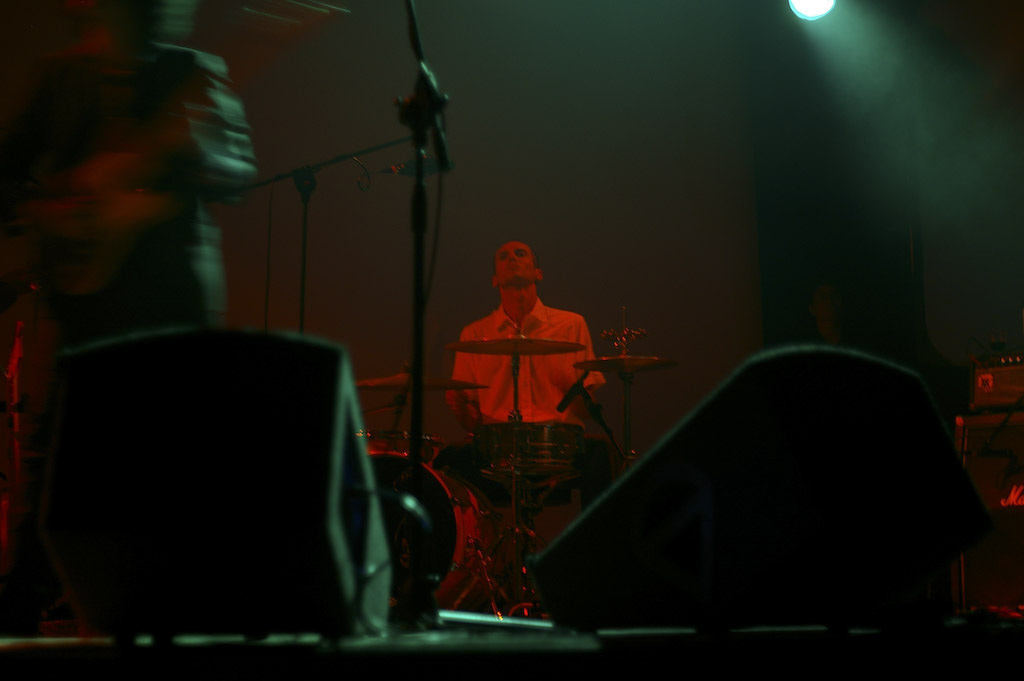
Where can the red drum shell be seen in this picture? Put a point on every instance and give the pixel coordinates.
(465, 529)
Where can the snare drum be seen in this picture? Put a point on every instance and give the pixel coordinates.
(399, 443)
(464, 531)
(530, 448)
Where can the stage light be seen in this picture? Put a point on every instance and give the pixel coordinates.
(810, 10)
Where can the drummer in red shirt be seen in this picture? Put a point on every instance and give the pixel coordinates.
(538, 387)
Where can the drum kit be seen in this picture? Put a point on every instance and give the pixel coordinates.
(478, 554)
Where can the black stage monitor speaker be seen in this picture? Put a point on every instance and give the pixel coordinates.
(814, 486)
(213, 482)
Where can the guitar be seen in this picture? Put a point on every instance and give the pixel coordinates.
(87, 219)
(82, 236)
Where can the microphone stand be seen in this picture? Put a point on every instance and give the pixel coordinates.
(422, 114)
(305, 182)
(596, 413)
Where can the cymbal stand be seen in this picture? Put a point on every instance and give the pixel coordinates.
(523, 532)
(401, 399)
(527, 493)
(620, 340)
(515, 416)
(627, 414)
(524, 537)
(519, 538)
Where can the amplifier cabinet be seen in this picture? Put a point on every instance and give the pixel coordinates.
(990, 573)
(997, 382)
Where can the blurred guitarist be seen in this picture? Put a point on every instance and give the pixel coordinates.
(110, 166)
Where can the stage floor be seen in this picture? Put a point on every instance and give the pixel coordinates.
(461, 643)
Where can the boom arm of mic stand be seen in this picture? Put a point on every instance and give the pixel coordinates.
(316, 167)
(305, 182)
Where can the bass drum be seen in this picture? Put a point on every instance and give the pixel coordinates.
(457, 550)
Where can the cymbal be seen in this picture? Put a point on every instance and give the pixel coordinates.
(625, 363)
(520, 345)
(403, 381)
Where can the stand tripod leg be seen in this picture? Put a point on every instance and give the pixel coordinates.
(479, 567)
(516, 542)
(627, 416)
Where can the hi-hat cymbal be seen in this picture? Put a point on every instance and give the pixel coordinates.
(403, 381)
(625, 364)
(517, 345)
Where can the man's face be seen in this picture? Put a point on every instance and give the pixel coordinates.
(514, 264)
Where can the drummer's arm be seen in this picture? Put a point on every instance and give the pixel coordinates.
(466, 410)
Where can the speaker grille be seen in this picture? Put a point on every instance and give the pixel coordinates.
(817, 515)
(213, 482)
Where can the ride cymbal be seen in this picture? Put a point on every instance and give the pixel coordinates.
(625, 363)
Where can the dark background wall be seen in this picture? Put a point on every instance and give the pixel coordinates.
(693, 168)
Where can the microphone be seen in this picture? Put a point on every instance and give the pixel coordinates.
(431, 166)
(576, 389)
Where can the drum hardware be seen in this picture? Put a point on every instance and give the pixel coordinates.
(525, 475)
(466, 594)
(398, 443)
(533, 451)
(515, 346)
(595, 410)
(519, 538)
(457, 555)
(628, 364)
(418, 587)
(402, 383)
(530, 460)
(625, 365)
